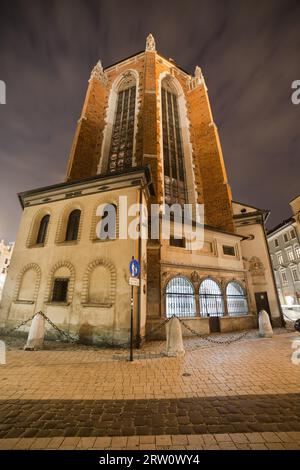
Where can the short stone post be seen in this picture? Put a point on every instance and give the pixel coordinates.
(174, 345)
(265, 327)
(36, 333)
(2, 353)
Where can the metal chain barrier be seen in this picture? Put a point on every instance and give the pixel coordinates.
(10, 330)
(151, 332)
(210, 339)
(67, 336)
(73, 339)
(70, 338)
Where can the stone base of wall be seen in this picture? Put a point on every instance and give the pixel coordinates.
(245, 322)
(201, 326)
(277, 322)
(88, 335)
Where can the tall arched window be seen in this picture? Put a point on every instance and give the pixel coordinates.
(107, 228)
(211, 299)
(174, 171)
(121, 150)
(41, 236)
(73, 225)
(180, 298)
(236, 299)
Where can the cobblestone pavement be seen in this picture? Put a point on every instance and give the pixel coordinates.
(93, 398)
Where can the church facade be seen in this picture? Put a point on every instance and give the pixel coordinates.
(146, 132)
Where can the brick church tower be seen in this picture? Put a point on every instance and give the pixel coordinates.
(146, 110)
(145, 134)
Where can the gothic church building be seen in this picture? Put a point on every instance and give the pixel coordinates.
(146, 132)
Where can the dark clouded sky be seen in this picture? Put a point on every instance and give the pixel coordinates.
(249, 52)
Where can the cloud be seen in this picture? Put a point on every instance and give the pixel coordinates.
(248, 51)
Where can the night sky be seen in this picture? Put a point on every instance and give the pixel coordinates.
(249, 52)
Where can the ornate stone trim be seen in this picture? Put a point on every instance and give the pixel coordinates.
(99, 74)
(55, 267)
(150, 43)
(26, 268)
(86, 279)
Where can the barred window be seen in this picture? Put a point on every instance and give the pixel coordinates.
(60, 290)
(211, 299)
(236, 299)
(174, 173)
(180, 298)
(121, 150)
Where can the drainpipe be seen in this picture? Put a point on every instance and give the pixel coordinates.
(138, 334)
(272, 273)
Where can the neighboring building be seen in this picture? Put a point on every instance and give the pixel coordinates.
(6, 249)
(146, 132)
(284, 246)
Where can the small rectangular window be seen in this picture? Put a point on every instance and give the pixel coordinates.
(280, 257)
(284, 277)
(286, 238)
(228, 250)
(178, 242)
(60, 290)
(293, 234)
(290, 255)
(295, 274)
(276, 242)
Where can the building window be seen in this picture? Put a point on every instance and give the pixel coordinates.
(60, 290)
(293, 234)
(178, 242)
(236, 299)
(228, 250)
(295, 274)
(284, 277)
(280, 257)
(121, 150)
(286, 238)
(73, 225)
(174, 172)
(41, 237)
(290, 254)
(180, 298)
(107, 227)
(211, 299)
(297, 251)
(276, 242)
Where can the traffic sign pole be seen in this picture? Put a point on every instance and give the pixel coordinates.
(134, 269)
(131, 325)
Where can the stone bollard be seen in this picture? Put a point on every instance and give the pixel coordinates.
(36, 333)
(265, 327)
(174, 345)
(2, 353)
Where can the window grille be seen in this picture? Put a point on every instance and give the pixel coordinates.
(178, 242)
(174, 175)
(211, 299)
(236, 299)
(295, 274)
(180, 298)
(43, 230)
(60, 290)
(121, 151)
(228, 250)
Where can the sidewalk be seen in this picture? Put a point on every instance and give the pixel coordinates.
(227, 396)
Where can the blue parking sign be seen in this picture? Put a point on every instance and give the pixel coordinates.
(134, 268)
